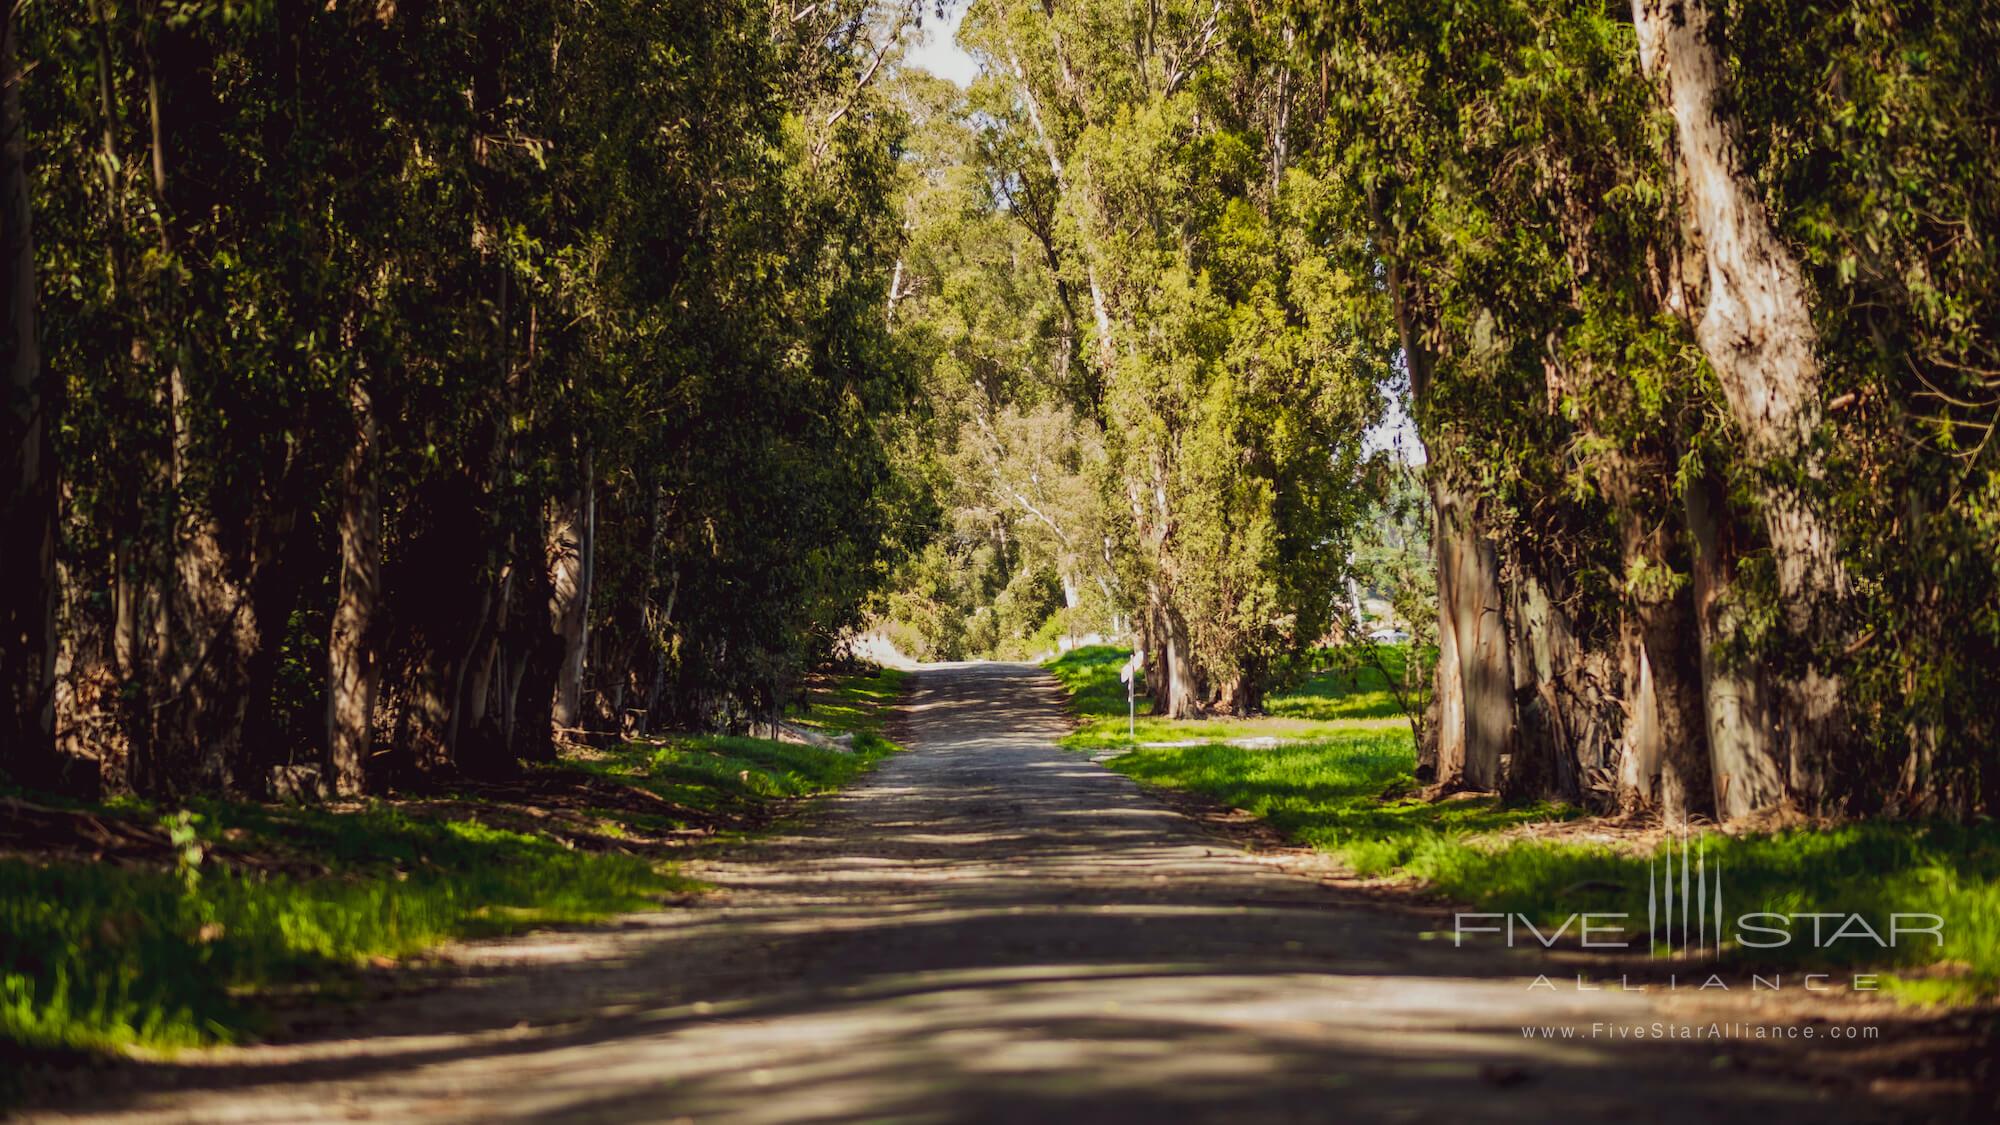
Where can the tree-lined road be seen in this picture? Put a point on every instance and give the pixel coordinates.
(986, 928)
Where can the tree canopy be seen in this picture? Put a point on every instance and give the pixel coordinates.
(395, 387)
(1692, 308)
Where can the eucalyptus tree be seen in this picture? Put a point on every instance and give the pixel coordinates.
(367, 308)
(1627, 248)
(1008, 445)
(1864, 138)
(28, 510)
(1235, 385)
(1481, 153)
(1695, 305)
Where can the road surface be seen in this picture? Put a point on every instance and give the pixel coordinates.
(985, 928)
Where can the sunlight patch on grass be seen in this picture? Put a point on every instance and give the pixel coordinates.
(1350, 792)
(97, 956)
(1325, 704)
(859, 702)
(719, 774)
(1346, 796)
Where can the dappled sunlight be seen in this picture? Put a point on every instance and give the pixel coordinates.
(986, 921)
(1331, 704)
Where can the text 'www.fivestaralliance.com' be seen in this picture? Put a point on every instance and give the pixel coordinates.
(1720, 1030)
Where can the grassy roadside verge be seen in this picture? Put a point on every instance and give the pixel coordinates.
(1328, 704)
(128, 924)
(1347, 790)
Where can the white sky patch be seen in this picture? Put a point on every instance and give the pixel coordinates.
(1395, 432)
(938, 51)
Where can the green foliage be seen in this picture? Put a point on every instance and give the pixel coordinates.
(1343, 698)
(1519, 173)
(706, 774)
(1864, 129)
(1349, 796)
(551, 258)
(263, 902)
(1090, 675)
(860, 701)
(1006, 450)
(1159, 405)
(98, 956)
(1248, 372)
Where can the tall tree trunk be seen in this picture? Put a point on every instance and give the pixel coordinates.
(28, 488)
(129, 665)
(477, 748)
(1449, 690)
(1470, 609)
(1180, 692)
(1242, 693)
(1474, 696)
(535, 655)
(225, 580)
(571, 549)
(1756, 330)
(1543, 652)
(1664, 763)
(229, 592)
(1663, 755)
(1444, 720)
(1072, 598)
(352, 664)
(1746, 766)
(1146, 636)
(436, 585)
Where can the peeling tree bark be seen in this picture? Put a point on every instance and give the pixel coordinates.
(1470, 609)
(1474, 696)
(1550, 685)
(1663, 755)
(1756, 330)
(572, 541)
(352, 665)
(1746, 769)
(1663, 760)
(1179, 692)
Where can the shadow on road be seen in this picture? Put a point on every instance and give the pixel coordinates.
(986, 928)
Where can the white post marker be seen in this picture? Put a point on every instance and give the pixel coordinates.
(1130, 674)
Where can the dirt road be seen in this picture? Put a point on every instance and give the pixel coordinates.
(986, 928)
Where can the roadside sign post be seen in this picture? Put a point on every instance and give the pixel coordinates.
(1130, 674)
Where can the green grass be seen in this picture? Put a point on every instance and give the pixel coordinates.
(699, 776)
(1326, 704)
(99, 956)
(95, 956)
(702, 779)
(1350, 793)
(858, 703)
